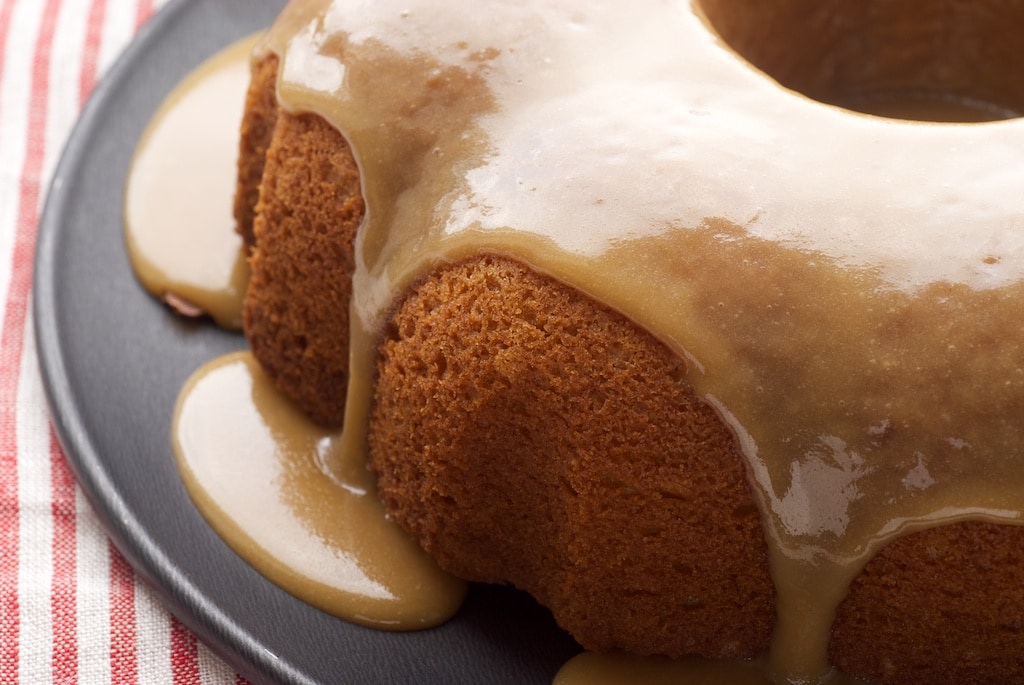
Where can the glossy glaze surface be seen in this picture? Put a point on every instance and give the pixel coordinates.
(177, 211)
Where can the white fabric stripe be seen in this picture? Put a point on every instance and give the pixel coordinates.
(35, 533)
(153, 636)
(118, 29)
(212, 669)
(93, 596)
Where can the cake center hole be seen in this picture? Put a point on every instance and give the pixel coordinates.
(925, 60)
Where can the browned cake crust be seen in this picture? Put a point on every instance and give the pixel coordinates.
(257, 129)
(945, 605)
(524, 433)
(296, 308)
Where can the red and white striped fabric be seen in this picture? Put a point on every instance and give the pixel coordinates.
(71, 609)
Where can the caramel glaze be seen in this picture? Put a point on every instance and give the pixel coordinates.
(812, 265)
(177, 211)
(252, 463)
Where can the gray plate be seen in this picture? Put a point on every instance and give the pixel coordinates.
(113, 360)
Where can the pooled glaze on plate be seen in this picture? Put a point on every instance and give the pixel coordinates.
(183, 248)
(252, 462)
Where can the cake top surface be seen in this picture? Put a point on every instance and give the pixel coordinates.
(594, 108)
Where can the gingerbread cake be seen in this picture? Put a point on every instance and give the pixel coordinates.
(706, 365)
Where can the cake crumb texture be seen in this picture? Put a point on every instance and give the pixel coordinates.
(944, 605)
(524, 433)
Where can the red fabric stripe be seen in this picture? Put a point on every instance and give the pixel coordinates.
(6, 10)
(9, 511)
(12, 332)
(91, 53)
(184, 654)
(124, 664)
(64, 587)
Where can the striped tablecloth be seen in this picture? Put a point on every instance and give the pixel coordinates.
(71, 609)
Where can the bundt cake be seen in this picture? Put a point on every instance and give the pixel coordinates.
(635, 320)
